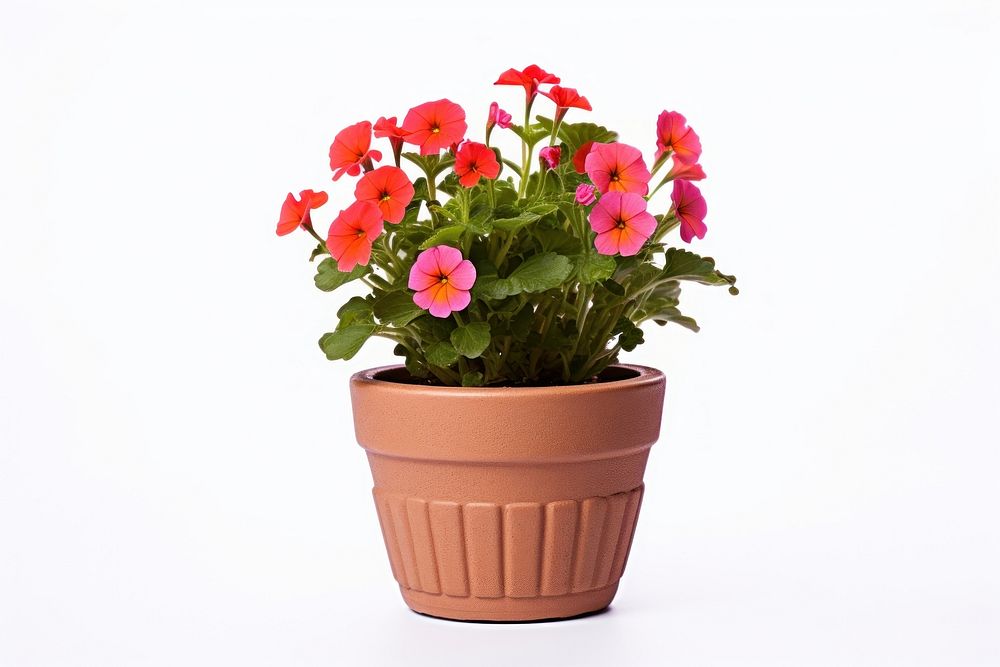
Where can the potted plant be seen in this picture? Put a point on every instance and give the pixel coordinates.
(508, 449)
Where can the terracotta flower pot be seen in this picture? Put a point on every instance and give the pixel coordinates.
(508, 504)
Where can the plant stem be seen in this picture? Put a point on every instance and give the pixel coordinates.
(526, 150)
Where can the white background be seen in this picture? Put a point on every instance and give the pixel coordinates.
(179, 484)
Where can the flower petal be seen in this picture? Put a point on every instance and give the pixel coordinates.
(463, 276)
(458, 299)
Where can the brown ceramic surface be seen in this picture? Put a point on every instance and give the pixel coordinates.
(508, 504)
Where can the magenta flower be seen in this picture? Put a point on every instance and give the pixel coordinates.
(622, 223)
(585, 194)
(691, 208)
(684, 171)
(498, 117)
(673, 134)
(442, 280)
(617, 167)
(550, 156)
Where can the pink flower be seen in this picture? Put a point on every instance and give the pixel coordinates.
(442, 280)
(498, 117)
(388, 188)
(435, 126)
(352, 233)
(683, 171)
(673, 134)
(691, 208)
(295, 212)
(617, 167)
(550, 156)
(473, 160)
(585, 194)
(349, 150)
(622, 223)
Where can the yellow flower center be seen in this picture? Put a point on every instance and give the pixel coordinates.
(620, 224)
(436, 130)
(444, 280)
(615, 177)
(386, 196)
(361, 234)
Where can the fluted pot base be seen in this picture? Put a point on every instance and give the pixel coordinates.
(510, 609)
(508, 504)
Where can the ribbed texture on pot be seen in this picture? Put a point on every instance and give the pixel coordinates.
(518, 550)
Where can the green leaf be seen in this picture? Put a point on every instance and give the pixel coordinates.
(450, 185)
(613, 287)
(356, 310)
(329, 278)
(685, 265)
(419, 193)
(320, 249)
(441, 354)
(512, 165)
(536, 274)
(345, 343)
(471, 339)
(534, 134)
(396, 308)
(520, 324)
(541, 272)
(675, 316)
(543, 209)
(575, 135)
(513, 224)
(492, 288)
(593, 268)
(472, 379)
(444, 236)
(630, 336)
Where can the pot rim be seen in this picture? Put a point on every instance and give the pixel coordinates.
(645, 375)
(522, 425)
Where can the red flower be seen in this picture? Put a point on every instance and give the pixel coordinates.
(352, 233)
(580, 157)
(474, 160)
(350, 150)
(617, 167)
(386, 128)
(566, 98)
(673, 134)
(296, 212)
(682, 171)
(434, 126)
(550, 156)
(530, 77)
(389, 189)
(691, 208)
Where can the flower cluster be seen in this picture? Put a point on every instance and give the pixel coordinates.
(485, 270)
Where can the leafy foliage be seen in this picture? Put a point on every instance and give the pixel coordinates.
(545, 308)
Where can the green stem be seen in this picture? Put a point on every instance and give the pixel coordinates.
(526, 150)
(656, 189)
(309, 228)
(502, 255)
(393, 266)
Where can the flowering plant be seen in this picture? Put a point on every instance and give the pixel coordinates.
(540, 275)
